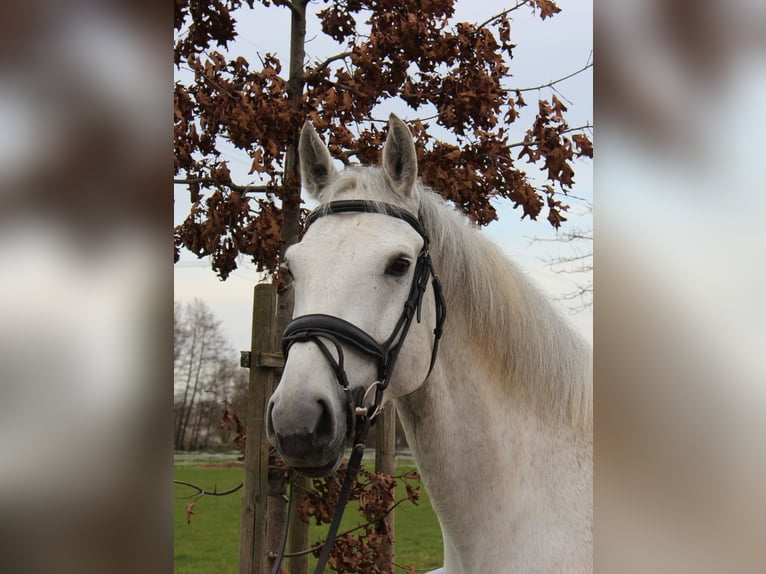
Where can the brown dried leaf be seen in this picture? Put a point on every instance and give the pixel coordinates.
(190, 511)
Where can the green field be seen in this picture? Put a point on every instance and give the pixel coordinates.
(210, 543)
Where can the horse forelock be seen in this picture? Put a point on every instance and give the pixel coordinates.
(516, 332)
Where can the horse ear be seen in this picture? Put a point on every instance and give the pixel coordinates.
(317, 169)
(399, 158)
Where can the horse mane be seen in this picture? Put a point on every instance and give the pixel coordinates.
(523, 339)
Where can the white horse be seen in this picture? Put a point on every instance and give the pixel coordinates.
(501, 427)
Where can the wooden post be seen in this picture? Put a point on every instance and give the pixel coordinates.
(385, 462)
(253, 543)
(299, 538)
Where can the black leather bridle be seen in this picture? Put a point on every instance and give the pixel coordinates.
(320, 328)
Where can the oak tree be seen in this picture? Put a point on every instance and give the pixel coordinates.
(453, 75)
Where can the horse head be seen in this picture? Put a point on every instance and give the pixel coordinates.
(365, 312)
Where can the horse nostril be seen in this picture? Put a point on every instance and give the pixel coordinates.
(304, 432)
(323, 432)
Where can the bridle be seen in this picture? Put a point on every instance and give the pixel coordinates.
(320, 329)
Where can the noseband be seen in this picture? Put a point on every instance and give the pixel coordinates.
(318, 328)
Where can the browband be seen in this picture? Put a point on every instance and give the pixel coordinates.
(366, 206)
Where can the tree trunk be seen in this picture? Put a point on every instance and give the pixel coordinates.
(275, 515)
(299, 531)
(200, 361)
(292, 194)
(211, 415)
(182, 412)
(194, 440)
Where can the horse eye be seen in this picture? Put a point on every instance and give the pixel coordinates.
(398, 267)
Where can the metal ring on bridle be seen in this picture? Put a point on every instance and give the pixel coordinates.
(364, 410)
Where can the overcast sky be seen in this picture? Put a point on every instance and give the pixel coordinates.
(545, 51)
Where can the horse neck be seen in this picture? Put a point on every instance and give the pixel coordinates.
(483, 426)
(496, 476)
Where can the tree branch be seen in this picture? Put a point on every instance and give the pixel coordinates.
(292, 6)
(201, 491)
(501, 14)
(562, 194)
(585, 294)
(552, 83)
(197, 76)
(554, 262)
(342, 534)
(232, 186)
(332, 59)
(567, 237)
(537, 142)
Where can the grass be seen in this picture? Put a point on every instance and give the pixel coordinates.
(210, 543)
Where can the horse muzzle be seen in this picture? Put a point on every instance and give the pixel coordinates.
(308, 428)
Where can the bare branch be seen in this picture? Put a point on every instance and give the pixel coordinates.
(554, 262)
(552, 83)
(501, 14)
(580, 261)
(201, 491)
(563, 194)
(569, 236)
(332, 59)
(584, 293)
(232, 186)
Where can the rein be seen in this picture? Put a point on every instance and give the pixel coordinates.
(319, 328)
